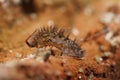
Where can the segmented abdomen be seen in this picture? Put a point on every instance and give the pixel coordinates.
(52, 36)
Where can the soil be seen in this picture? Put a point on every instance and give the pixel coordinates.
(85, 20)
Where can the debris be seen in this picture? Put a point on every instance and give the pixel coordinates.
(99, 59)
(114, 40)
(18, 55)
(75, 31)
(89, 10)
(107, 17)
(80, 70)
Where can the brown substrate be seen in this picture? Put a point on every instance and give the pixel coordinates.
(102, 56)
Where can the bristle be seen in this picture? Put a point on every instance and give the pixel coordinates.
(67, 37)
(61, 32)
(49, 29)
(53, 29)
(74, 40)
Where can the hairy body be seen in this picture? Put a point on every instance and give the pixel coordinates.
(52, 36)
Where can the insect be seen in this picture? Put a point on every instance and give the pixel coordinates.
(53, 36)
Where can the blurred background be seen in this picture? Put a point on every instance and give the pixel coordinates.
(19, 18)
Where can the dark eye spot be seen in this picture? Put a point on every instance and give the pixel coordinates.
(31, 44)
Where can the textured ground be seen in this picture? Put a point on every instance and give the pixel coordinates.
(95, 24)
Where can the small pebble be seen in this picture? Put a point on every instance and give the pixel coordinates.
(108, 36)
(98, 59)
(18, 55)
(107, 17)
(91, 77)
(80, 77)
(80, 70)
(75, 31)
(114, 40)
(23, 59)
(88, 10)
(31, 56)
(107, 54)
